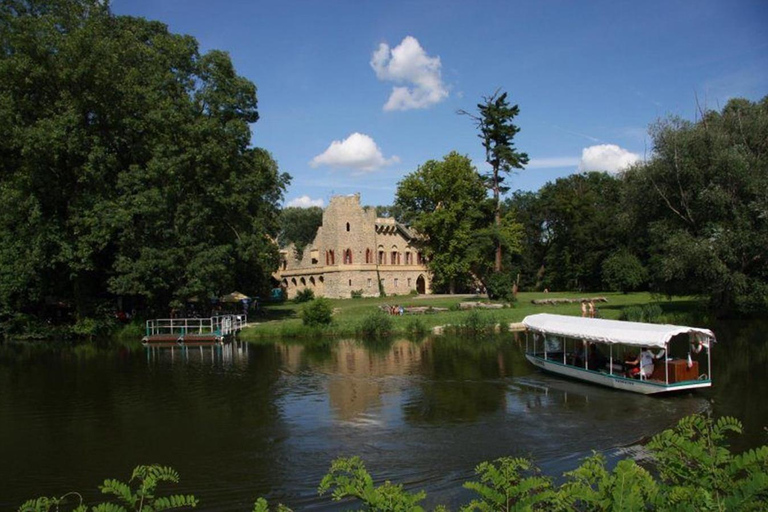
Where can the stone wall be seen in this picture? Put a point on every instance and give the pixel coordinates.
(351, 251)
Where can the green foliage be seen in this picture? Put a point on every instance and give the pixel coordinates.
(305, 295)
(317, 313)
(446, 202)
(499, 286)
(476, 322)
(700, 472)
(592, 487)
(697, 207)
(141, 496)
(356, 294)
(508, 484)
(348, 478)
(623, 272)
(298, 226)
(497, 131)
(649, 313)
(126, 164)
(261, 505)
(376, 325)
(416, 328)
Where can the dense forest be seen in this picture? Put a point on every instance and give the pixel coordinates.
(125, 167)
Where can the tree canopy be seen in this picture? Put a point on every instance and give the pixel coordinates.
(699, 207)
(495, 122)
(125, 163)
(298, 226)
(446, 202)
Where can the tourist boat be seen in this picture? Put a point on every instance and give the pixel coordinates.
(594, 350)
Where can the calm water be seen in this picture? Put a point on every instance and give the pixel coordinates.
(255, 421)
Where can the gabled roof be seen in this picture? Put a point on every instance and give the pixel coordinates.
(613, 331)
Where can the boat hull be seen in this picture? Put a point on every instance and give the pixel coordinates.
(643, 387)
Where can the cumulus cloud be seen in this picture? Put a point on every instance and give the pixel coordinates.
(305, 202)
(358, 152)
(408, 63)
(606, 157)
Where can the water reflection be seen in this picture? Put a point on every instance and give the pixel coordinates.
(243, 421)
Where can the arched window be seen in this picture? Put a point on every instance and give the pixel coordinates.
(348, 256)
(347, 226)
(330, 258)
(408, 259)
(368, 256)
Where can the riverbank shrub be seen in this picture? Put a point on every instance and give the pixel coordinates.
(649, 313)
(317, 313)
(376, 325)
(476, 322)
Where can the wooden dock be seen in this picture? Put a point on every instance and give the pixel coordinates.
(192, 332)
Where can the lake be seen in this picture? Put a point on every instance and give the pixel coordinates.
(267, 420)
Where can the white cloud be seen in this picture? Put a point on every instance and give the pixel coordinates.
(408, 63)
(606, 157)
(358, 151)
(553, 162)
(305, 202)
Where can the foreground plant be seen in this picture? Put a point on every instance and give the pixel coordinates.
(348, 478)
(508, 484)
(142, 498)
(700, 473)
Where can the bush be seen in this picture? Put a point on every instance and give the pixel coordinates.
(356, 294)
(476, 322)
(623, 272)
(499, 287)
(376, 325)
(305, 295)
(317, 313)
(416, 328)
(650, 313)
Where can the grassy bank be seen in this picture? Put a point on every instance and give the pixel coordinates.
(284, 320)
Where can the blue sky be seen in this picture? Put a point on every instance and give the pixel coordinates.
(354, 95)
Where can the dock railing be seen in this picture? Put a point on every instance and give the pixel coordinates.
(222, 325)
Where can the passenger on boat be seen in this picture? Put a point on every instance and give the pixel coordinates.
(642, 365)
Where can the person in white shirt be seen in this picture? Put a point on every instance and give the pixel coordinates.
(642, 363)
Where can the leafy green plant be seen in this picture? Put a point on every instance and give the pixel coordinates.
(317, 313)
(142, 497)
(305, 295)
(623, 272)
(508, 484)
(476, 322)
(499, 287)
(592, 487)
(415, 327)
(356, 294)
(348, 478)
(699, 472)
(376, 325)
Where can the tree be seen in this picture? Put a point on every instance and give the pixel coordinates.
(623, 272)
(570, 226)
(699, 207)
(125, 166)
(445, 201)
(497, 131)
(298, 226)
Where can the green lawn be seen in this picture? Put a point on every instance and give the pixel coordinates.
(284, 320)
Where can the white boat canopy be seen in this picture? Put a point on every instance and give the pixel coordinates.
(613, 331)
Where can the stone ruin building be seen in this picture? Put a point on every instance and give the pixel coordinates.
(353, 251)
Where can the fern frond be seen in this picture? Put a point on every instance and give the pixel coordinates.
(119, 489)
(174, 501)
(108, 507)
